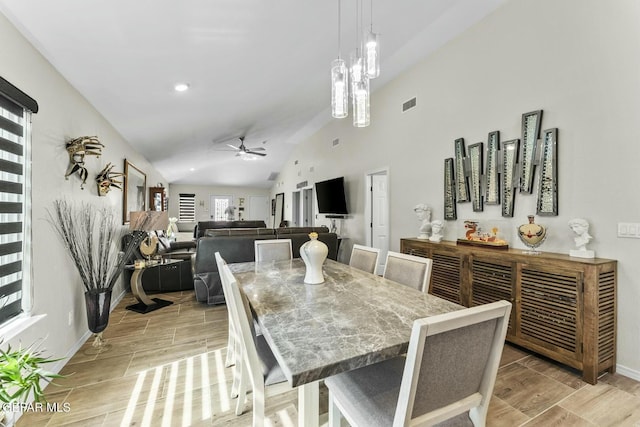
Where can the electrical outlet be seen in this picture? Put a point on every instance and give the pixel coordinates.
(70, 317)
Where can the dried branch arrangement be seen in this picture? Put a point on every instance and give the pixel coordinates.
(93, 236)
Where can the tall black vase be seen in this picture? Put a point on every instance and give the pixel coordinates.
(98, 303)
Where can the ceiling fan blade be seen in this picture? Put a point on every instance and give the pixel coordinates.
(233, 146)
(256, 149)
(257, 154)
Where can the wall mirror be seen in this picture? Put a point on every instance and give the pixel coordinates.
(134, 194)
(509, 175)
(279, 212)
(449, 191)
(530, 134)
(548, 183)
(462, 183)
(492, 183)
(475, 175)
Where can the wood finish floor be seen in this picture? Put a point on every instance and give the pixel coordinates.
(166, 368)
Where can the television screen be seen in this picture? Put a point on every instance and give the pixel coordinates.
(330, 196)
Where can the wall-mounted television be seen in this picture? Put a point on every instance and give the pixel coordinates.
(330, 196)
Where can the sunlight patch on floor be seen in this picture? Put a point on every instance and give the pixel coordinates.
(152, 380)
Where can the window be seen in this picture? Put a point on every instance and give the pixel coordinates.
(187, 208)
(15, 200)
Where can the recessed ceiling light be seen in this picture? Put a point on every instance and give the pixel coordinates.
(181, 87)
(192, 169)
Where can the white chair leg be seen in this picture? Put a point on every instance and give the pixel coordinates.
(237, 370)
(478, 415)
(242, 387)
(258, 407)
(335, 417)
(231, 354)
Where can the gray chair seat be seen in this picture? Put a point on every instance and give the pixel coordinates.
(374, 389)
(270, 368)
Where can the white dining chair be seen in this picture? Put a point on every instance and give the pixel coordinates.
(273, 250)
(232, 339)
(410, 270)
(450, 368)
(364, 258)
(258, 366)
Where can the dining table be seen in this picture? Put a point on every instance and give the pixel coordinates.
(352, 319)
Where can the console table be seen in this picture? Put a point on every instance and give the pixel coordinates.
(145, 303)
(563, 308)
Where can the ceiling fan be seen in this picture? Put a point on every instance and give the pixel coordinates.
(243, 151)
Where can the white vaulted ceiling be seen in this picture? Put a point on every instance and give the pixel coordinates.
(257, 68)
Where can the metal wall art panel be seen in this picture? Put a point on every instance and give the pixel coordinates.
(530, 133)
(449, 191)
(462, 183)
(475, 167)
(548, 183)
(509, 175)
(491, 175)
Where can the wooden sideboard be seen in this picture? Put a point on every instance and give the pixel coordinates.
(563, 307)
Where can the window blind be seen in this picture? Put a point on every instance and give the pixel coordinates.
(15, 198)
(187, 208)
(12, 133)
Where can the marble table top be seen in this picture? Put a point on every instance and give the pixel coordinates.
(351, 320)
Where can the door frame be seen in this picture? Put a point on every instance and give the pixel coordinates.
(368, 211)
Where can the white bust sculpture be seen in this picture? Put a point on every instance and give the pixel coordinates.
(423, 212)
(580, 226)
(436, 231)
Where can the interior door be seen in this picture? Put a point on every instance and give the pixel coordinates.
(380, 217)
(307, 207)
(296, 218)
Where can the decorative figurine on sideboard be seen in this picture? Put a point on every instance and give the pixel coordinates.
(532, 235)
(437, 226)
(580, 226)
(423, 212)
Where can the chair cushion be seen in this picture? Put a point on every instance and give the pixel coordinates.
(369, 394)
(270, 368)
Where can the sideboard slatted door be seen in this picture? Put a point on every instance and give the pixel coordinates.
(493, 281)
(550, 310)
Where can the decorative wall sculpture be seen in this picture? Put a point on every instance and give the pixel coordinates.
(449, 190)
(462, 184)
(548, 183)
(107, 179)
(78, 148)
(530, 133)
(509, 178)
(492, 180)
(475, 172)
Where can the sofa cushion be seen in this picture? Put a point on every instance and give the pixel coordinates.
(212, 232)
(201, 226)
(296, 230)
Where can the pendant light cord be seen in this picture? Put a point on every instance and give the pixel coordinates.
(339, 28)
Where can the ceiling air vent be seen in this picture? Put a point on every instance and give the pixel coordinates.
(273, 176)
(409, 104)
(336, 142)
(302, 184)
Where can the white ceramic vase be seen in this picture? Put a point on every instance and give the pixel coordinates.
(313, 253)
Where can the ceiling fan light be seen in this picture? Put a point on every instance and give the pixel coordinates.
(181, 87)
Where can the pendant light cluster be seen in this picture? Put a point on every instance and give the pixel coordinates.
(364, 65)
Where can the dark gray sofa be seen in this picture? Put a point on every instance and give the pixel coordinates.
(240, 248)
(201, 226)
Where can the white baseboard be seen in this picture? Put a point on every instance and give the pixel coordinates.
(627, 372)
(57, 367)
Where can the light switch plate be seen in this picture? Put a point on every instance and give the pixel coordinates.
(629, 230)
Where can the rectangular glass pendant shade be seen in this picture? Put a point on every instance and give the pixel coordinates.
(339, 89)
(372, 55)
(361, 103)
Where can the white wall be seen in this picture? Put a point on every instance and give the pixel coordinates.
(64, 114)
(578, 61)
(203, 194)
